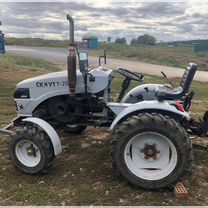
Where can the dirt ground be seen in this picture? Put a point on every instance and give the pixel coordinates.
(82, 175)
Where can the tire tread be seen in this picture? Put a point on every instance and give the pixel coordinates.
(145, 120)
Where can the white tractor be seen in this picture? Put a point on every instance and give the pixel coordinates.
(150, 145)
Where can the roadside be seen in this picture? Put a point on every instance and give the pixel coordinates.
(58, 55)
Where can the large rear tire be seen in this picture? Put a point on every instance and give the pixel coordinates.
(151, 151)
(31, 150)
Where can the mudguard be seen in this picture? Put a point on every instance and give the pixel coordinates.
(148, 106)
(49, 130)
(138, 94)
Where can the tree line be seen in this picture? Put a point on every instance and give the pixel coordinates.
(141, 40)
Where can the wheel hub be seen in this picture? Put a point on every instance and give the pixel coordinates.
(150, 151)
(31, 151)
(61, 108)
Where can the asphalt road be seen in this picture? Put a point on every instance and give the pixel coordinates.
(59, 55)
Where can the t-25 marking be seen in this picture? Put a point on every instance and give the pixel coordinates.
(52, 84)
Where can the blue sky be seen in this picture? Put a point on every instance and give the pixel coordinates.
(165, 20)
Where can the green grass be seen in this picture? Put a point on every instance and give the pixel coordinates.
(36, 42)
(15, 62)
(83, 175)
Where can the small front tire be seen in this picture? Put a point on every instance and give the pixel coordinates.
(31, 150)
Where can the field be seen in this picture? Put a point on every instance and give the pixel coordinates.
(160, 54)
(82, 174)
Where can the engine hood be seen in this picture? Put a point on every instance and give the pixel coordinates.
(54, 75)
(59, 81)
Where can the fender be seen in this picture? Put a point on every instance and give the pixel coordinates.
(49, 130)
(148, 106)
(138, 94)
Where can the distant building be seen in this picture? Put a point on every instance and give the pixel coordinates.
(90, 42)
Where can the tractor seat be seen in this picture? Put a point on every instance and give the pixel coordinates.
(178, 93)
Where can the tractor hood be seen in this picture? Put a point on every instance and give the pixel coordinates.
(51, 82)
(42, 78)
(59, 81)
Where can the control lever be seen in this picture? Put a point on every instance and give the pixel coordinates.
(125, 86)
(165, 76)
(142, 77)
(103, 57)
(147, 90)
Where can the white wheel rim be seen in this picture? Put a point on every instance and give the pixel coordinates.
(27, 153)
(152, 167)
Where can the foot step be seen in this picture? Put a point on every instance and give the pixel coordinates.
(180, 190)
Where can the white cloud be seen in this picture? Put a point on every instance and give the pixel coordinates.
(165, 20)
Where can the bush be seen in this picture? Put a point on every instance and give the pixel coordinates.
(143, 40)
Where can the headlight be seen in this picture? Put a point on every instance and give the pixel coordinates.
(22, 93)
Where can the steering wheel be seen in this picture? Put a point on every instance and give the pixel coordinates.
(131, 75)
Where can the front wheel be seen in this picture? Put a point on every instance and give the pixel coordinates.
(151, 151)
(31, 150)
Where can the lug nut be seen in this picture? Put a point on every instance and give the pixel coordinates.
(150, 152)
(146, 158)
(30, 152)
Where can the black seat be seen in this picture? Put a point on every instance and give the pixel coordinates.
(182, 89)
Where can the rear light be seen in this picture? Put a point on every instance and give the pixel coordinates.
(179, 106)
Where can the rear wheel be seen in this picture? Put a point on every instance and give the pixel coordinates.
(151, 151)
(31, 150)
(76, 129)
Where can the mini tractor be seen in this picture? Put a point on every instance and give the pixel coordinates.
(151, 127)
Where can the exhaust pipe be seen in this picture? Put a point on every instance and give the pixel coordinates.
(71, 58)
(71, 28)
